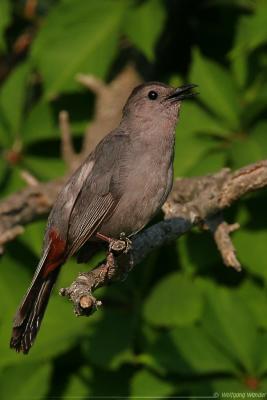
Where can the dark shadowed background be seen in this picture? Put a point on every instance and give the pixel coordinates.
(182, 323)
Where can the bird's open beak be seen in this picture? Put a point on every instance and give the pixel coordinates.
(183, 92)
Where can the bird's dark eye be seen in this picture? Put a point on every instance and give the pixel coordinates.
(152, 95)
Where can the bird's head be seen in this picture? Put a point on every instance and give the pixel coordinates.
(157, 101)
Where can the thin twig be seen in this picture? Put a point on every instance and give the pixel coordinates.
(29, 178)
(67, 148)
(92, 83)
(221, 233)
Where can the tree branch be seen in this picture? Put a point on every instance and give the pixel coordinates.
(193, 201)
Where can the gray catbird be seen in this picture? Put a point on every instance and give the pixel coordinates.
(118, 188)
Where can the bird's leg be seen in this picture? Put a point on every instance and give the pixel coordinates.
(121, 245)
(127, 242)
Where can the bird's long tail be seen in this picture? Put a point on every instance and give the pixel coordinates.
(29, 315)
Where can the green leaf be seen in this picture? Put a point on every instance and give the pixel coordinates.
(77, 37)
(193, 118)
(245, 152)
(40, 124)
(239, 68)
(251, 31)
(237, 386)
(189, 350)
(31, 381)
(33, 236)
(45, 168)
(211, 162)
(258, 133)
(255, 102)
(13, 182)
(78, 384)
(199, 352)
(115, 329)
(225, 320)
(5, 137)
(144, 383)
(251, 249)
(9, 268)
(188, 151)
(217, 89)
(190, 145)
(12, 97)
(175, 300)
(3, 167)
(256, 299)
(4, 20)
(193, 249)
(143, 25)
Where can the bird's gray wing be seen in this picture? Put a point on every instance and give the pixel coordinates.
(100, 190)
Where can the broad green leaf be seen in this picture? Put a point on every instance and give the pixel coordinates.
(199, 352)
(5, 138)
(78, 36)
(175, 300)
(259, 135)
(189, 350)
(3, 167)
(25, 381)
(248, 386)
(144, 383)
(261, 352)
(115, 329)
(251, 249)
(40, 124)
(109, 384)
(44, 168)
(12, 97)
(193, 118)
(256, 299)
(193, 249)
(33, 236)
(189, 149)
(143, 25)
(13, 182)
(211, 162)
(9, 270)
(245, 151)
(247, 5)
(78, 384)
(251, 31)
(217, 89)
(231, 325)
(254, 101)
(195, 137)
(4, 19)
(239, 68)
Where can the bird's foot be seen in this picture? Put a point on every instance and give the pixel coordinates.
(121, 245)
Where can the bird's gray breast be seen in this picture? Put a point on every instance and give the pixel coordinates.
(146, 179)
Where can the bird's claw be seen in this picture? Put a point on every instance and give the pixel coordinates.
(121, 245)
